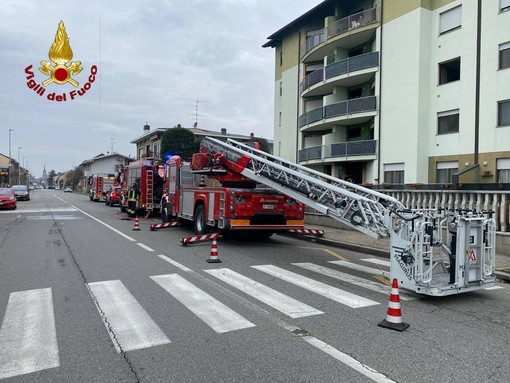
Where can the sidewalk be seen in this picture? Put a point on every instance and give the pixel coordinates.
(354, 240)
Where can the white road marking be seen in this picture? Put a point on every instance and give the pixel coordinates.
(44, 210)
(106, 225)
(281, 302)
(214, 313)
(361, 282)
(494, 288)
(381, 262)
(176, 264)
(28, 339)
(338, 295)
(365, 269)
(144, 246)
(130, 327)
(348, 360)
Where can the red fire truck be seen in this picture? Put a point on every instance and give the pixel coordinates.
(211, 192)
(99, 186)
(148, 175)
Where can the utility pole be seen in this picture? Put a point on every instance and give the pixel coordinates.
(10, 161)
(19, 175)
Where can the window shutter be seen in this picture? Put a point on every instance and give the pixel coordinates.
(450, 19)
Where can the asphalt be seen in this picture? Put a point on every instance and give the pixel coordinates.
(354, 240)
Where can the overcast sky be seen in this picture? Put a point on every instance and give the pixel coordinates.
(155, 60)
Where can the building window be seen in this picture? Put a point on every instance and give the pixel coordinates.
(504, 113)
(504, 55)
(503, 170)
(281, 89)
(280, 119)
(450, 19)
(281, 57)
(156, 149)
(449, 71)
(504, 5)
(394, 173)
(448, 122)
(445, 171)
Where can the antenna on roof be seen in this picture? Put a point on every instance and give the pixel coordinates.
(112, 141)
(195, 125)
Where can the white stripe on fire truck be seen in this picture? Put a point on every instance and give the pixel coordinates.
(281, 302)
(130, 327)
(28, 338)
(338, 295)
(214, 313)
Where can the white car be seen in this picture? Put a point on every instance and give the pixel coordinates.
(68, 189)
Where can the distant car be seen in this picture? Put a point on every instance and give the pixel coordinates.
(51, 187)
(21, 192)
(113, 196)
(68, 189)
(7, 199)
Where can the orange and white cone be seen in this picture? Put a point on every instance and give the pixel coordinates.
(213, 258)
(137, 225)
(393, 319)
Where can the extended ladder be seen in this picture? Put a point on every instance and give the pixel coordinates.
(353, 205)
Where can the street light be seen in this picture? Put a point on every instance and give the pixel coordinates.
(19, 175)
(25, 170)
(10, 130)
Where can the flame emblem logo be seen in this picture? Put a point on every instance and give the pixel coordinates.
(60, 53)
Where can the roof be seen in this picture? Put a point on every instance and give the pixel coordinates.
(276, 36)
(101, 156)
(195, 131)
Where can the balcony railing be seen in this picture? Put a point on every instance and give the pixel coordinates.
(339, 109)
(344, 25)
(340, 149)
(348, 65)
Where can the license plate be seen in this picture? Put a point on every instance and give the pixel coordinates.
(267, 206)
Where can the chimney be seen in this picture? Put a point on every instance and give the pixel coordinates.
(252, 136)
(146, 128)
(223, 130)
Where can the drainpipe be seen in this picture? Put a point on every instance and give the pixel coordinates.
(477, 90)
(298, 95)
(380, 91)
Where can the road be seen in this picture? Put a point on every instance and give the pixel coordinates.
(84, 298)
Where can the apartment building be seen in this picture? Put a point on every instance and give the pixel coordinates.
(396, 92)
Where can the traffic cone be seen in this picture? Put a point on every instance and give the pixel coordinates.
(213, 258)
(137, 225)
(393, 319)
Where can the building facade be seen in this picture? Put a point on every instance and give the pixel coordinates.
(396, 92)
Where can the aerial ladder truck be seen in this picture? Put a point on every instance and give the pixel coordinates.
(432, 252)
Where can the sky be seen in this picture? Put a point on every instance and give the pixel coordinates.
(155, 59)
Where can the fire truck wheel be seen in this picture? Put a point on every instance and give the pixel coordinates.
(199, 220)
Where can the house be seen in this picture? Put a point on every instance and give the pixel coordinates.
(110, 164)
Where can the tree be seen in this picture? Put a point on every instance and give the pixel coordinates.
(264, 145)
(50, 178)
(178, 141)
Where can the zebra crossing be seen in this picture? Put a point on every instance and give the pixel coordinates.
(28, 339)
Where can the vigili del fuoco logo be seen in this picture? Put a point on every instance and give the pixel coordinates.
(60, 70)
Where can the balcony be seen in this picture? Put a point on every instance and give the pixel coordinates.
(340, 73)
(355, 110)
(340, 151)
(352, 25)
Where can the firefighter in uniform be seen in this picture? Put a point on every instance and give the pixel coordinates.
(132, 197)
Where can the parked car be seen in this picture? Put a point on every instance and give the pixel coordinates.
(21, 192)
(113, 196)
(7, 199)
(68, 189)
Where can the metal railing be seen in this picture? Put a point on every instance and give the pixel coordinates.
(497, 202)
(339, 149)
(347, 24)
(343, 108)
(338, 68)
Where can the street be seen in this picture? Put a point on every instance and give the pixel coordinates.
(85, 298)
